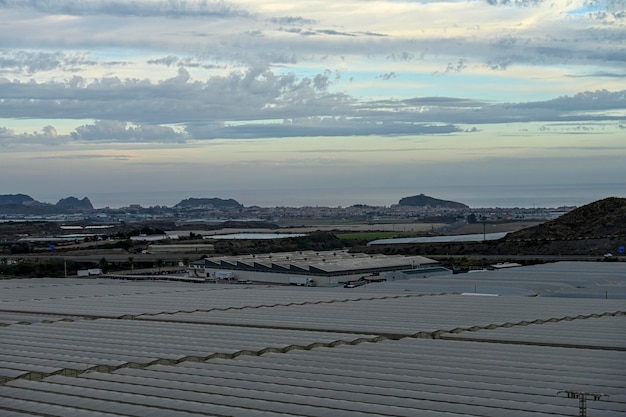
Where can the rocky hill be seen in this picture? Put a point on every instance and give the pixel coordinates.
(596, 220)
(10, 199)
(426, 201)
(73, 203)
(23, 204)
(217, 203)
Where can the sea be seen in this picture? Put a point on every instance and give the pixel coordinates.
(475, 196)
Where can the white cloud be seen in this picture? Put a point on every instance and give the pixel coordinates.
(112, 131)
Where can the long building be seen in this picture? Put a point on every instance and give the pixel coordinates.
(326, 267)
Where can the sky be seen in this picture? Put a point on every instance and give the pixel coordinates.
(312, 102)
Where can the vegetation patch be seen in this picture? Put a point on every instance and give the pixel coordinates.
(371, 235)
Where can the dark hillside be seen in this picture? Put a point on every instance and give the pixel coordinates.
(11, 199)
(599, 219)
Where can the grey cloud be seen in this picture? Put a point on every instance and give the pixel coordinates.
(516, 3)
(608, 56)
(334, 32)
(86, 157)
(255, 94)
(172, 61)
(322, 81)
(553, 51)
(329, 32)
(577, 47)
(569, 45)
(499, 66)
(606, 10)
(291, 30)
(279, 57)
(317, 127)
(459, 66)
(601, 74)
(292, 20)
(444, 102)
(48, 135)
(588, 100)
(117, 131)
(506, 42)
(167, 61)
(31, 62)
(388, 76)
(100, 131)
(171, 8)
(587, 107)
(372, 34)
(402, 56)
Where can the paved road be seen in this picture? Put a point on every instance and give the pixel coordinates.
(175, 257)
(551, 258)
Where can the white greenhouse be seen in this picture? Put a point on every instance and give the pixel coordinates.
(97, 347)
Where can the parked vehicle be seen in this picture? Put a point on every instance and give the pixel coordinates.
(302, 281)
(354, 284)
(228, 275)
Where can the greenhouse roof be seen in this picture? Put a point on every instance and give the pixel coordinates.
(95, 347)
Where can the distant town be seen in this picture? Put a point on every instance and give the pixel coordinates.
(416, 209)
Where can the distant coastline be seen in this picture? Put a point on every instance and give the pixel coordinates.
(475, 196)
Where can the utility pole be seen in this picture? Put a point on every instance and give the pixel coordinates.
(484, 220)
(582, 399)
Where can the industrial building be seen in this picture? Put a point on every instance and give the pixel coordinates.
(111, 348)
(321, 268)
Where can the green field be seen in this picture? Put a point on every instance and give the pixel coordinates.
(370, 235)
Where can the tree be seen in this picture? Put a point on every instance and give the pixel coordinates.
(103, 264)
(159, 264)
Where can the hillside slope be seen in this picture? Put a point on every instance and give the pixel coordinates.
(595, 220)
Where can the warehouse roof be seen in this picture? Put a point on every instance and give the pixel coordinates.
(325, 262)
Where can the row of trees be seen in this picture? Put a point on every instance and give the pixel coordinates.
(59, 268)
(55, 268)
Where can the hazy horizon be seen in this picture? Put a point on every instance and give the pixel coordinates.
(523, 196)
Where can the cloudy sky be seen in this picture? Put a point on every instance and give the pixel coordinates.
(311, 102)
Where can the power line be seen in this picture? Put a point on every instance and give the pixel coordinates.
(582, 399)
